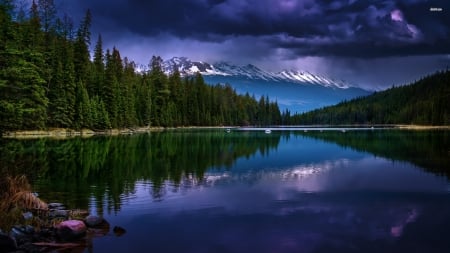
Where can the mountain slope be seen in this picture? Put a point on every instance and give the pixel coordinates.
(188, 68)
(423, 102)
(298, 91)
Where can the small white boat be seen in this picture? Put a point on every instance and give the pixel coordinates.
(267, 131)
(228, 130)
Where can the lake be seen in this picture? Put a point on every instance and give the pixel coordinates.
(375, 190)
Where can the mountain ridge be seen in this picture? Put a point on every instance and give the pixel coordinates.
(294, 90)
(187, 67)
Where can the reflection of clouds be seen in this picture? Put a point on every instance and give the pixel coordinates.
(213, 178)
(296, 172)
(304, 171)
(409, 217)
(326, 203)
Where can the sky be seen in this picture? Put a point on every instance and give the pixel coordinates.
(369, 43)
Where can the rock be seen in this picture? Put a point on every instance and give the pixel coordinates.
(100, 230)
(58, 206)
(28, 229)
(119, 231)
(93, 221)
(7, 244)
(17, 232)
(71, 229)
(27, 215)
(58, 213)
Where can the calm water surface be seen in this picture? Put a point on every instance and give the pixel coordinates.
(212, 191)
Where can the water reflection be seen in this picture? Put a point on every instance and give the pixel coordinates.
(211, 191)
(106, 168)
(426, 149)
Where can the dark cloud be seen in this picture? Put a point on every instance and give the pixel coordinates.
(276, 30)
(357, 28)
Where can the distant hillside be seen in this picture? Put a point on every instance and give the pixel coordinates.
(424, 102)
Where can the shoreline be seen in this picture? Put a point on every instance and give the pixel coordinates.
(422, 127)
(64, 133)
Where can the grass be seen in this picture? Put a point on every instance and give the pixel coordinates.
(16, 197)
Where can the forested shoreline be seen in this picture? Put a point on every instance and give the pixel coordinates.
(424, 102)
(48, 79)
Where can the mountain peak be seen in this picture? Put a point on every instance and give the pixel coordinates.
(187, 67)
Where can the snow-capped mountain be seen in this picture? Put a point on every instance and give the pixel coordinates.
(295, 90)
(188, 68)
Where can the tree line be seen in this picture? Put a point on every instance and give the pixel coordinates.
(423, 102)
(48, 79)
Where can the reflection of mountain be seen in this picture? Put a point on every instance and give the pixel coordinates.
(426, 149)
(111, 165)
(105, 169)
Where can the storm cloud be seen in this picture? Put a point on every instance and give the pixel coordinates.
(276, 33)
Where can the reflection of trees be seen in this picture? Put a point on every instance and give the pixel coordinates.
(426, 149)
(104, 168)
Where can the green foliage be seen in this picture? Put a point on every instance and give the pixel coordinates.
(47, 79)
(22, 91)
(423, 102)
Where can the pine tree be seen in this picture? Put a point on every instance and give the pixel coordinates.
(129, 81)
(109, 91)
(22, 86)
(176, 97)
(98, 77)
(81, 49)
(143, 101)
(161, 92)
(62, 91)
(47, 14)
(83, 112)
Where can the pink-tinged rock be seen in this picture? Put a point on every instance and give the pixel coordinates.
(71, 229)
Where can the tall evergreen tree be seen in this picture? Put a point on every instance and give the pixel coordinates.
(161, 92)
(98, 77)
(47, 14)
(81, 48)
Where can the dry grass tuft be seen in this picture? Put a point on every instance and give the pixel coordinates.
(78, 214)
(28, 201)
(16, 196)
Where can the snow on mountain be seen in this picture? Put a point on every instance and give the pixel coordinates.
(186, 67)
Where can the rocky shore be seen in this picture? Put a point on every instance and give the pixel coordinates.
(55, 228)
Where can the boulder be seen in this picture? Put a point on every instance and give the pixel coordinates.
(27, 215)
(71, 229)
(119, 231)
(101, 229)
(58, 206)
(93, 221)
(17, 232)
(58, 213)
